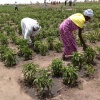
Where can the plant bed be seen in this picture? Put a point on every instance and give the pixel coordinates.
(87, 86)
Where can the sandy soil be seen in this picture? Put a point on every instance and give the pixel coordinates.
(12, 89)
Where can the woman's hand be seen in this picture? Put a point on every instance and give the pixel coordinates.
(30, 45)
(81, 39)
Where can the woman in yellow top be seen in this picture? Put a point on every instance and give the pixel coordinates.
(75, 21)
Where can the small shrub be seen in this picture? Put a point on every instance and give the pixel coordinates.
(12, 36)
(17, 40)
(23, 42)
(9, 58)
(8, 29)
(43, 82)
(98, 49)
(90, 54)
(3, 39)
(36, 46)
(56, 67)
(78, 59)
(58, 46)
(79, 43)
(26, 52)
(92, 38)
(70, 75)
(89, 70)
(43, 49)
(3, 49)
(98, 52)
(50, 41)
(29, 71)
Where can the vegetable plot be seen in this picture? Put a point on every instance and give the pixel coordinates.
(48, 48)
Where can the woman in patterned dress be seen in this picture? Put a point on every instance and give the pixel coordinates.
(74, 22)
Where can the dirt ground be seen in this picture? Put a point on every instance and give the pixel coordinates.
(12, 89)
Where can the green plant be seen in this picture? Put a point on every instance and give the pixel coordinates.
(12, 36)
(95, 25)
(43, 82)
(79, 43)
(78, 59)
(98, 52)
(98, 49)
(89, 70)
(43, 33)
(70, 75)
(8, 29)
(23, 42)
(3, 49)
(56, 67)
(89, 54)
(26, 52)
(3, 39)
(17, 40)
(43, 49)
(57, 32)
(20, 29)
(29, 71)
(9, 58)
(50, 32)
(50, 40)
(36, 46)
(98, 36)
(58, 46)
(38, 37)
(92, 38)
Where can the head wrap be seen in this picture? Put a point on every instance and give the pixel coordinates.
(89, 13)
(37, 26)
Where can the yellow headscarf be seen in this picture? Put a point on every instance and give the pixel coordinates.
(78, 19)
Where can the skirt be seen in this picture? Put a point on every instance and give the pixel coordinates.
(66, 32)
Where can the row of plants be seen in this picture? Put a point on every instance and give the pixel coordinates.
(24, 50)
(90, 37)
(49, 29)
(94, 36)
(38, 78)
(47, 21)
(8, 56)
(43, 48)
(42, 79)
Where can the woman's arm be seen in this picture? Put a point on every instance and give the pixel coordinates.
(81, 38)
(26, 36)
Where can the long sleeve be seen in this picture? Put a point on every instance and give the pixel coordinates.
(27, 36)
(27, 25)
